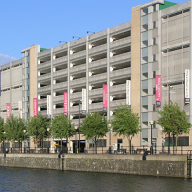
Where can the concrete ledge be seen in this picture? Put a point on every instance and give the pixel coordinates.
(166, 157)
(32, 155)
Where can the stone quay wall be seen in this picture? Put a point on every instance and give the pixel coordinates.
(155, 165)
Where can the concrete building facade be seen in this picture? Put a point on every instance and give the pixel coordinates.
(155, 43)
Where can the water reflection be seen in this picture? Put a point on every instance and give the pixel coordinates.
(19, 179)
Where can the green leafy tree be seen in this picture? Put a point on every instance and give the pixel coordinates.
(2, 137)
(173, 120)
(14, 129)
(62, 127)
(94, 126)
(126, 122)
(37, 127)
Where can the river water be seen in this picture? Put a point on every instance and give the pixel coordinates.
(21, 179)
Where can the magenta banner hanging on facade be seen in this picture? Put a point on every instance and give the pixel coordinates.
(8, 111)
(104, 98)
(158, 90)
(34, 107)
(65, 104)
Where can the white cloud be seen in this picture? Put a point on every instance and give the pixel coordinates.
(4, 59)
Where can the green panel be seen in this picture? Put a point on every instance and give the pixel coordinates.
(42, 49)
(166, 5)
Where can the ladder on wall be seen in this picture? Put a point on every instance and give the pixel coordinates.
(189, 160)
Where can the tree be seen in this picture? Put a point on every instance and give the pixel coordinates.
(62, 127)
(173, 120)
(94, 126)
(1, 129)
(126, 122)
(14, 129)
(37, 128)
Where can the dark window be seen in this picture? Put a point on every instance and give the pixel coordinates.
(154, 24)
(119, 140)
(101, 143)
(154, 41)
(154, 8)
(154, 107)
(154, 74)
(182, 141)
(154, 57)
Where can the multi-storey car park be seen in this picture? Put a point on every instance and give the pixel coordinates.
(156, 42)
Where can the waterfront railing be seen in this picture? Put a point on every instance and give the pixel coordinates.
(122, 150)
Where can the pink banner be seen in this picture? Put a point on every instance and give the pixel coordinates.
(34, 107)
(158, 90)
(8, 111)
(104, 98)
(66, 104)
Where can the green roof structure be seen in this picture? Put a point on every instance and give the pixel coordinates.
(166, 5)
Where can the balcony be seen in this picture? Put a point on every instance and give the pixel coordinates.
(75, 109)
(76, 82)
(78, 69)
(118, 89)
(78, 55)
(120, 42)
(96, 92)
(76, 121)
(120, 58)
(60, 60)
(44, 89)
(44, 53)
(58, 111)
(96, 107)
(44, 77)
(113, 104)
(58, 99)
(60, 73)
(98, 49)
(42, 101)
(45, 65)
(98, 78)
(120, 27)
(75, 96)
(126, 72)
(62, 85)
(97, 64)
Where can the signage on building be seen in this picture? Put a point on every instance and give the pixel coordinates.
(49, 106)
(34, 107)
(84, 100)
(20, 108)
(187, 89)
(158, 90)
(104, 98)
(128, 92)
(0, 82)
(8, 111)
(65, 103)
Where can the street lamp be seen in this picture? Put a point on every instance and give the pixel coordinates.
(151, 148)
(24, 131)
(109, 126)
(4, 142)
(76, 127)
(48, 129)
(79, 125)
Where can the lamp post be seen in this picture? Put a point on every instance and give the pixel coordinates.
(4, 142)
(24, 131)
(109, 126)
(76, 127)
(151, 148)
(48, 129)
(79, 126)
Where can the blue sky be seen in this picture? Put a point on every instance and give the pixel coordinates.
(46, 22)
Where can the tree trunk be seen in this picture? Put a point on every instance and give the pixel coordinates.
(61, 145)
(95, 145)
(176, 142)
